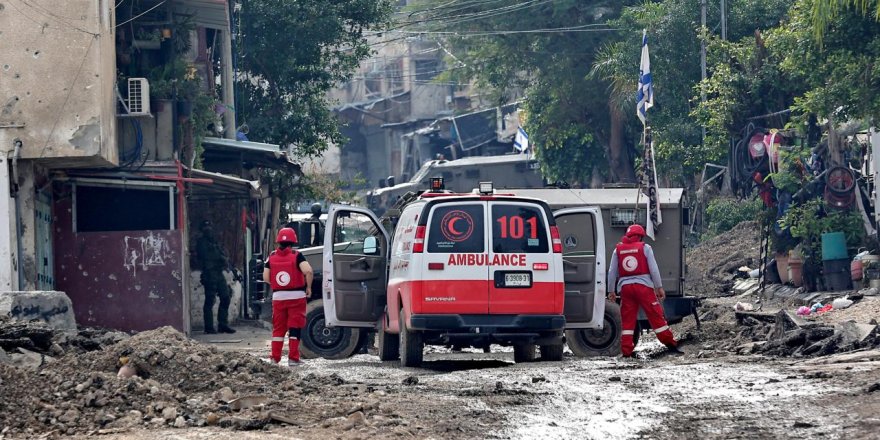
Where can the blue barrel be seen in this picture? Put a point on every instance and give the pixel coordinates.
(834, 246)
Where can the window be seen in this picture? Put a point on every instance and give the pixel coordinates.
(351, 230)
(426, 70)
(103, 209)
(394, 77)
(623, 217)
(373, 84)
(456, 229)
(518, 229)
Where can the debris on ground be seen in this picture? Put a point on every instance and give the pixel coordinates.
(160, 379)
(714, 264)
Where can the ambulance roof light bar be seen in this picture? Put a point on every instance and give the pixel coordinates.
(486, 188)
(437, 184)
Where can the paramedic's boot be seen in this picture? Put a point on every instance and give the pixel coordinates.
(674, 350)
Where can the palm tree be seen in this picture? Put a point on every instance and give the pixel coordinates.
(825, 11)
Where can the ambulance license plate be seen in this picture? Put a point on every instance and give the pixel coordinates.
(517, 280)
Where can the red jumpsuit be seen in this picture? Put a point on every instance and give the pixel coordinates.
(288, 301)
(634, 274)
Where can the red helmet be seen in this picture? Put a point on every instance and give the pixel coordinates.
(635, 230)
(286, 235)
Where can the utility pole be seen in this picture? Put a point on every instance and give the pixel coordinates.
(703, 56)
(724, 20)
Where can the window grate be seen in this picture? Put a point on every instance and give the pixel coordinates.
(623, 217)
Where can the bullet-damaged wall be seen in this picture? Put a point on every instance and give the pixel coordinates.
(57, 81)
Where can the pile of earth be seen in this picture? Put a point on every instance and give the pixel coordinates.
(30, 344)
(713, 265)
(179, 382)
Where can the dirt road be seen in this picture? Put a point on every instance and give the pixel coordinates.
(476, 395)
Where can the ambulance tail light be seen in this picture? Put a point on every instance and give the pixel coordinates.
(419, 243)
(557, 243)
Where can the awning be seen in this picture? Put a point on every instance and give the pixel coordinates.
(212, 14)
(255, 153)
(200, 185)
(222, 186)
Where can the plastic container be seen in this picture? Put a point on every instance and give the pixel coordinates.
(837, 274)
(855, 270)
(834, 246)
(782, 268)
(796, 269)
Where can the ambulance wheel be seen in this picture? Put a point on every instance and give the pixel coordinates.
(411, 345)
(551, 353)
(389, 344)
(598, 342)
(320, 341)
(524, 353)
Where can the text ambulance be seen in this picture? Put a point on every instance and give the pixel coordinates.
(464, 270)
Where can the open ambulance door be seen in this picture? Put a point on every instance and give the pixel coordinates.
(355, 269)
(583, 264)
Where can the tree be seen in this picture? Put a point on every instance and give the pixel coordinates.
(825, 12)
(544, 50)
(291, 54)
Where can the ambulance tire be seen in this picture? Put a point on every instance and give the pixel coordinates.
(524, 353)
(320, 341)
(605, 342)
(551, 353)
(412, 347)
(389, 345)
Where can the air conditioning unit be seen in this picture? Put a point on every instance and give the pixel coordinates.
(138, 97)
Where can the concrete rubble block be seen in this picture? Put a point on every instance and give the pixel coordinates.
(29, 360)
(784, 323)
(852, 333)
(52, 307)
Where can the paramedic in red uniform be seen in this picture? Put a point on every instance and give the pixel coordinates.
(634, 273)
(290, 276)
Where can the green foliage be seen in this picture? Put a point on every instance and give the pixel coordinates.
(809, 220)
(292, 54)
(792, 173)
(723, 213)
(567, 109)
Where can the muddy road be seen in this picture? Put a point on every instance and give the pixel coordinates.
(703, 394)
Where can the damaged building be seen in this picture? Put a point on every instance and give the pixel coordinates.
(107, 170)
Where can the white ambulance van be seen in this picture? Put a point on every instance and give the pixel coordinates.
(466, 270)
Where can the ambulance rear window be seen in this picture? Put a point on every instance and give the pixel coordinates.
(456, 229)
(518, 229)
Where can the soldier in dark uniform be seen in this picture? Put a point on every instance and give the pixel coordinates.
(212, 261)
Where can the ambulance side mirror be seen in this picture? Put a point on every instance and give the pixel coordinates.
(371, 246)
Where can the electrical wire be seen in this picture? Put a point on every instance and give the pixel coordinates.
(141, 14)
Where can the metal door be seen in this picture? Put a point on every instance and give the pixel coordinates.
(355, 277)
(583, 264)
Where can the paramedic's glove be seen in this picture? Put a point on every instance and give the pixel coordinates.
(661, 294)
(612, 297)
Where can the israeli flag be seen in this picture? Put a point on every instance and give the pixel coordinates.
(645, 96)
(521, 140)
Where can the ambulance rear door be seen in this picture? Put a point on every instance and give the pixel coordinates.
(355, 271)
(583, 265)
(521, 266)
(453, 267)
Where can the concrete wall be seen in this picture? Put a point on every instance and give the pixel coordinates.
(57, 81)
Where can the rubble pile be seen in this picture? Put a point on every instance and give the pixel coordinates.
(177, 382)
(713, 265)
(32, 344)
(785, 334)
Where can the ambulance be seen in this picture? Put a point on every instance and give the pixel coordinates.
(466, 270)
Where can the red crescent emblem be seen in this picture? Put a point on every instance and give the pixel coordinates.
(451, 226)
